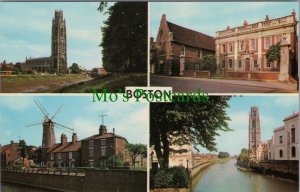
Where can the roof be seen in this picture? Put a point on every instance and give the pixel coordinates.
(4, 148)
(295, 114)
(66, 147)
(190, 37)
(106, 135)
(38, 58)
(279, 128)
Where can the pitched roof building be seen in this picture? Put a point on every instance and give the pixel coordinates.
(174, 42)
(9, 154)
(98, 150)
(65, 154)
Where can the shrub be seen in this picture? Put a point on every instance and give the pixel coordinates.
(163, 179)
(175, 177)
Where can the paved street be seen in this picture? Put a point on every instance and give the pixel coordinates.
(187, 84)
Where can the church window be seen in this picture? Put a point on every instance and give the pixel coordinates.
(280, 153)
(182, 50)
(293, 135)
(280, 139)
(293, 151)
(240, 63)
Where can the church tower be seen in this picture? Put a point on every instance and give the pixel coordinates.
(254, 132)
(59, 43)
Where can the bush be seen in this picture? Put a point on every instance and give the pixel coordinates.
(163, 179)
(175, 177)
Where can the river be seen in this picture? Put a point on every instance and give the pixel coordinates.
(10, 187)
(225, 177)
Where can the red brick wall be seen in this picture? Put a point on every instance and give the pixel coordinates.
(253, 75)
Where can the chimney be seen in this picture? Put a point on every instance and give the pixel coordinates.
(74, 138)
(102, 130)
(63, 139)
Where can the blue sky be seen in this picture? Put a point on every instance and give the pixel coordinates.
(25, 31)
(130, 120)
(272, 110)
(209, 17)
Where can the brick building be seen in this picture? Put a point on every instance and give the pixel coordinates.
(98, 149)
(241, 51)
(180, 49)
(9, 154)
(64, 154)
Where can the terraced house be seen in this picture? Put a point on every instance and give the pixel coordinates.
(241, 51)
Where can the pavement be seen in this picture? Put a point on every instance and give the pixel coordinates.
(190, 84)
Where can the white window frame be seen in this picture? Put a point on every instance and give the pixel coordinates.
(103, 151)
(70, 155)
(58, 155)
(91, 143)
(103, 142)
(251, 41)
(182, 50)
(265, 42)
(223, 45)
(230, 45)
(91, 152)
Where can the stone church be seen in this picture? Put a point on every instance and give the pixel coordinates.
(57, 62)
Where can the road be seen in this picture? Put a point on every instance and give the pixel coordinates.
(183, 84)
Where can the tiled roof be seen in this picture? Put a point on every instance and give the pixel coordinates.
(66, 147)
(106, 135)
(192, 38)
(4, 148)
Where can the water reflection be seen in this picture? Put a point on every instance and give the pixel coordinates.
(226, 177)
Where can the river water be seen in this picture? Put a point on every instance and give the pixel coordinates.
(225, 177)
(9, 187)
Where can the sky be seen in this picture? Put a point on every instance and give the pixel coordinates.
(25, 31)
(272, 111)
(210, 17)
(130, 120)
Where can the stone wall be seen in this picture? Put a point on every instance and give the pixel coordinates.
(253, 75)
(93, 181)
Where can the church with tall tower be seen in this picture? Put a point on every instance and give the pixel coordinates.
(57, 62)
(254, 133)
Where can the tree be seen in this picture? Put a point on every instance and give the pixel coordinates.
(209, 63)
(75, 69)
(116, 161)
(18, 68)
(244, 155)
(22, 150)
(273, 53)
(223, 154)
(124, 42)
(135, 150)
(186, 123)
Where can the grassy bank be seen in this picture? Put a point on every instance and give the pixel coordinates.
(112, 82)
(30, 77)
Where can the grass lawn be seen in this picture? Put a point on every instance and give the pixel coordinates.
(112, 83)
(38, 83)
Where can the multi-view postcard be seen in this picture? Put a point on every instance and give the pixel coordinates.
(149, 96)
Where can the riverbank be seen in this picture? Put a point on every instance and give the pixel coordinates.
(199, 171)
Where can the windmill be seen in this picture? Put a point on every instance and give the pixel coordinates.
(48, 126)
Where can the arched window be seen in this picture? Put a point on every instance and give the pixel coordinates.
(280, 153)
(293, 151)
(269, 155)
